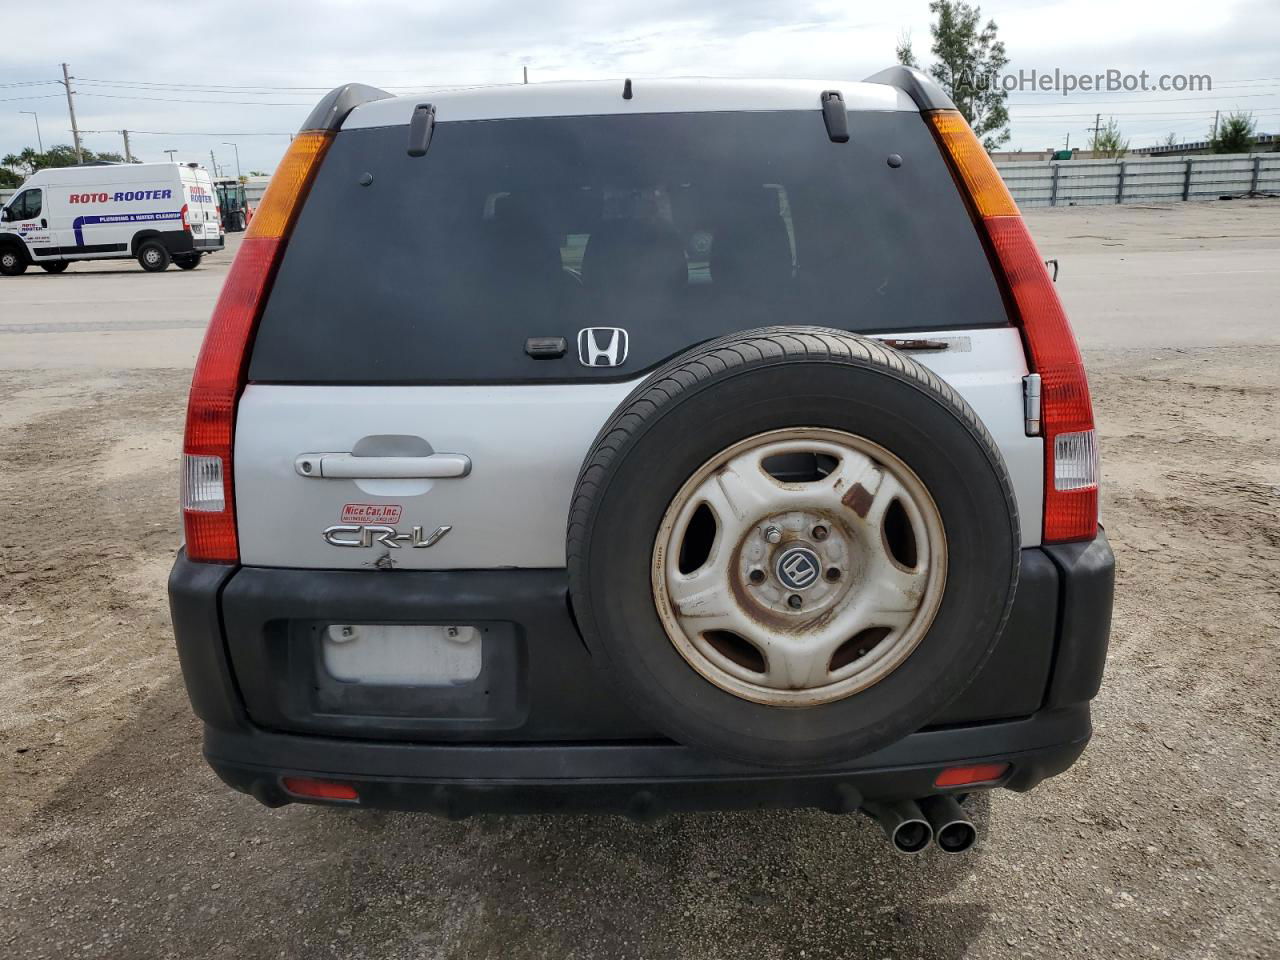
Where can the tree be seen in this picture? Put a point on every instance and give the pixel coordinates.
(1235, 134)
(1170, 141)
(29, 160)
(26, 162)
(1107, 141)
(10, 179)
(903, 52)
(970, 59)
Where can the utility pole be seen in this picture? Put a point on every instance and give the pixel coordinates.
(39, 142)
(1214, 135)
(213, 161)
(526, 74)
(71, 109)
(228, 143)
(1097, 128)
(128, 157)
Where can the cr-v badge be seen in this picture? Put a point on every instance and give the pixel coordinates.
(602, 346)
(366, 535)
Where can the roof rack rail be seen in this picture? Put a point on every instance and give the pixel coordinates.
(333, 108)
(919, 86)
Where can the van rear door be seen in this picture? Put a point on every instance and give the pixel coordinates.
(198, 195)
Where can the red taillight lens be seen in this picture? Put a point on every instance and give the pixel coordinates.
(208, 508)
(319, 789)
(967, 776)
(185, 226)
(1066, 412)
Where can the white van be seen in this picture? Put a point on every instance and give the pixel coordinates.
(160, 213)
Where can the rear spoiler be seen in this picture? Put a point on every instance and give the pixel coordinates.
(333, 108)
(919, 86)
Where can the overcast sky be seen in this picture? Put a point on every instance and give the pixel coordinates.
(142, 64)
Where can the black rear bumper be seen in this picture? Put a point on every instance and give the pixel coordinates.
(549, 734)
(639, 779)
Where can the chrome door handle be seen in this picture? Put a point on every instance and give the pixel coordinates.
(345, 466)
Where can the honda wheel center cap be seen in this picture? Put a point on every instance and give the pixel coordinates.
(797, 568)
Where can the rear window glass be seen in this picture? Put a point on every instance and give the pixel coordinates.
(675, 227)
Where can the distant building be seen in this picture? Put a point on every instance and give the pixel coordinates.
(1030, 156)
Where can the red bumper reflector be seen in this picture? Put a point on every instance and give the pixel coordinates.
(319, 789)
(966, 776)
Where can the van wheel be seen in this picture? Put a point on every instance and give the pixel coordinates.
(153, 256)
(12, 263)
(187, 262)
(814, 571)
(58, 266)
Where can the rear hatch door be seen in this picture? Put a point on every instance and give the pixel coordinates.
(447, 334)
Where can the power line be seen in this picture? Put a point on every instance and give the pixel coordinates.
(1211, 88)
(209, 87)
(1132, 121)
(1089, 103)
(234, 103)
(42, 96)
(237, 88)
(202, 133)
(1186, 114)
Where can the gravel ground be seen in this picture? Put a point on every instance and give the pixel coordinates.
(1164, 841)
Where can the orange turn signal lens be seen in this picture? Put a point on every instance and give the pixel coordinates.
(967, 776)
(981, 178)
(319, 789)
(281, 203)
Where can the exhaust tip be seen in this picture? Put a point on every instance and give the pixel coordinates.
(912, 836)
(956, 837)
(952, 828)
(904, 825)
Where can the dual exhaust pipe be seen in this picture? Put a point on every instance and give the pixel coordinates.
(912, 826)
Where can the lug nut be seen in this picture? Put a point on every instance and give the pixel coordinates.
(819, 532)
(772, 534)
(756, 575)
(795, 602)
(833, 574)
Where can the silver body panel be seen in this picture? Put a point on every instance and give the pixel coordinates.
(526, 444)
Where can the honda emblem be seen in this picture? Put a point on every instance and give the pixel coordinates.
(602, 346)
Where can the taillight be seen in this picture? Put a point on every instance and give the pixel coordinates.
(208, 509)
(185, 226)
(1066, 413)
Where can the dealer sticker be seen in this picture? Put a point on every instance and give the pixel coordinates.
(372, 513)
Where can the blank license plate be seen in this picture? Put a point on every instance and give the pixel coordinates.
(398, 655)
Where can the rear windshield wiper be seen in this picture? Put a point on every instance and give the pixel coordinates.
(911, 343)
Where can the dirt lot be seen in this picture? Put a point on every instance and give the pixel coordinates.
(116, 841)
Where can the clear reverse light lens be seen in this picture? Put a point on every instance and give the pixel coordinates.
(202, 483)
(1075, 461)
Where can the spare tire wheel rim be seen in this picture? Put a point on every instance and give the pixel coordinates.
(812, 587)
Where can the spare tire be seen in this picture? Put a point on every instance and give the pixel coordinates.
(792, 546)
